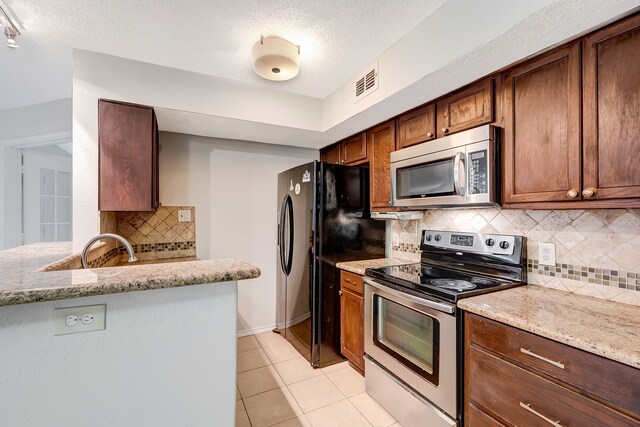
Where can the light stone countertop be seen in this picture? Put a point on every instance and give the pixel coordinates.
(358, 267)
(21, 282)
(606, 328)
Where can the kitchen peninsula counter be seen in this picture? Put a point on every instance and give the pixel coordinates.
(21, 281)
(605, 328)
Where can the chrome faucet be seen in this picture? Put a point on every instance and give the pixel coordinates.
(125, 242)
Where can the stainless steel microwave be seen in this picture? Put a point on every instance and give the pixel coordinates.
(457, 170)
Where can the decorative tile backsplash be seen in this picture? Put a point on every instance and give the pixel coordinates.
(159, 234)
(597, 251)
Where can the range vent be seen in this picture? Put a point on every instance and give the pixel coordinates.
(367, 83)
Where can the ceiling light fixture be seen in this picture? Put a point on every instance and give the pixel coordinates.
(275, 58)
(10, 29)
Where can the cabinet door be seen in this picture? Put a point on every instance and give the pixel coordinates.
(611, 108)
(354, 149)
(331, 154)
(466, 109)
(127, 157)
(352, 327)
(416, 126)
(381, 143)
(542, 129)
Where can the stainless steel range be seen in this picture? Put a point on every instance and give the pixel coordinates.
(413, 329)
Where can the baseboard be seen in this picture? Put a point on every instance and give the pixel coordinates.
(254, 331)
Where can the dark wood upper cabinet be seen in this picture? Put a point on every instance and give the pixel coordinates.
(416, 126)
(466, 108)
(611, 111)
(331, 154)
(382, 141)
(542, 128)
(354, 149)
(127, 157)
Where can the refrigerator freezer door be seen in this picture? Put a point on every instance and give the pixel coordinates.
(296, 257)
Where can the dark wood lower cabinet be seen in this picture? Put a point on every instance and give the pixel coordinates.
(352, 319)
(515, 378)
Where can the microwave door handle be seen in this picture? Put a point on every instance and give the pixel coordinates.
(458, 184)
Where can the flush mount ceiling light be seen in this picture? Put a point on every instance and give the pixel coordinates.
(10, 29)
(275, 58)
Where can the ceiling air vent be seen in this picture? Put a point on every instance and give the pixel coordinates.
(367, 83)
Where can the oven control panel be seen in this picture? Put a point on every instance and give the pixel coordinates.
(478, 181)
(470, 242)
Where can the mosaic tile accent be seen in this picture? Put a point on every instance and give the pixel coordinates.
(604, 240)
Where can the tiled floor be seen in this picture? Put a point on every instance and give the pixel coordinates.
(277, 387)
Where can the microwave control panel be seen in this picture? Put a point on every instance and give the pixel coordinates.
(478, 179)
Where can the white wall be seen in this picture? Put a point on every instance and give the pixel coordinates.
(50, 118)
(11, 203)
(166, 358)
(233, 186)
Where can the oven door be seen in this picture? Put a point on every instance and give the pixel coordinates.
(430, 179)
(415, 339)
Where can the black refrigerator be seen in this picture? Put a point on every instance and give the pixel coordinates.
(323, 219)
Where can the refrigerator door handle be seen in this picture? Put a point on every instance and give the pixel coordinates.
(289, 209)
(281, 235)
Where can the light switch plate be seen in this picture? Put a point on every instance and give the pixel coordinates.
(72, 320)
(184, 215)
(547, 253)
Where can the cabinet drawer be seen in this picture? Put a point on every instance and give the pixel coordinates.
(476, 417)
(351, 281)
(522, 398)
(614, 382)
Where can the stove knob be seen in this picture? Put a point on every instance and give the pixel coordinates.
(427, 237)
(504, 244)
(437, 237)
(490, 242)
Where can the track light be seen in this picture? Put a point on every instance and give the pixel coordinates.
(10, 29)
(11, 34)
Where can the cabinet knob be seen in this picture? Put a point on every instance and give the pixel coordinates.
(429, 135)
(572, 194)
(588, 192)
(445, 130)
(390, 201)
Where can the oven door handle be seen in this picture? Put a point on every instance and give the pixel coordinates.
(457, 185)
(440, 306)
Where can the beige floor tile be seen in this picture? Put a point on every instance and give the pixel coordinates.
(269, 338)
(280, 352)
(247, 343)
(258, 381)
(252, 359)
(348, 381)
(242, 420)
(372, 411)
(341, 414)
(299, 421)
(336, 367)
(271, 407)
(314, 393)
(295, 370)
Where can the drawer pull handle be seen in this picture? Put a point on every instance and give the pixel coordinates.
(533, 411)
(537, 356)
(350, 282)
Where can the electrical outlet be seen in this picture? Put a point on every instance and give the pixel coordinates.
(396, 239)
(547, 253)
(184, 215)
(72, 320)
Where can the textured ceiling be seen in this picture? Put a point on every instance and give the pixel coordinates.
(338, 38)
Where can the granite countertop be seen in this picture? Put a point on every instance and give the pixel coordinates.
(358, 267)
(21, 282)
(601, 327)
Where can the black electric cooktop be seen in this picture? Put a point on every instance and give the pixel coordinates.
(450, 285)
